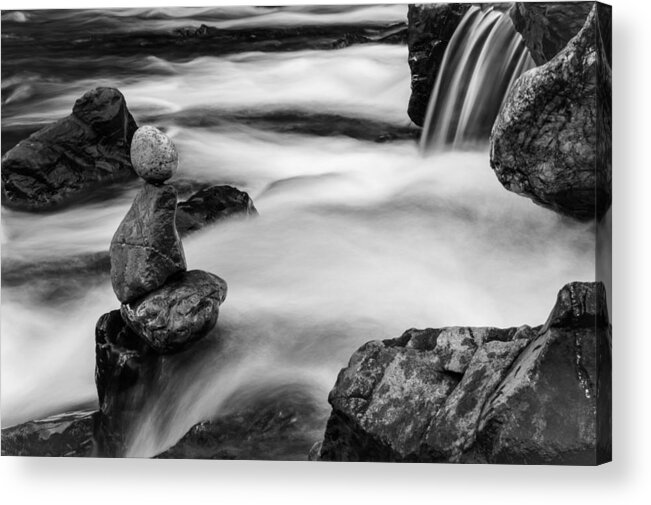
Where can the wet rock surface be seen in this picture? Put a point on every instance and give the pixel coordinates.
(546, 28)
(124, 368)
(210, 205)
(69, 158)
(274, 424)
(430, 28)
(63, 435)
(146, 249)
(481, 395)
(179, 313)
(552, 139)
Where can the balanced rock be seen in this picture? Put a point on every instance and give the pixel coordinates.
(481, 395)
(552, 139)
(146, 249)
(153, 155)
(179, 313)
(210, 205)
(64, 160)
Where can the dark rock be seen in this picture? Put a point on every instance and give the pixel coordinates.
(552, 139)
(554, 405)
(146, 249)
(179, 313)
(85, 150)
(547, 27)
(430, 28)
(275, 423)
(211, 205)
(124, 366)
(63, 435)
(481, 395)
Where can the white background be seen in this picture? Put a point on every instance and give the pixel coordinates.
(626, 480)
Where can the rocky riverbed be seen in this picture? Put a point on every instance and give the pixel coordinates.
(354, 237)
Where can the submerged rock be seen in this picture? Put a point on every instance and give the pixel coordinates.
(484, 395)
(62, 435)
(430, 28)
(258, 423)
(210, 205)
(146, 249)
(64, 160)
(552, 139)
(179, 313)
(153, 155)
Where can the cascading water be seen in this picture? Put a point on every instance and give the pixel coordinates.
(356, 240)
(482, 61)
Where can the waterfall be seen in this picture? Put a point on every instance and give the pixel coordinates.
(482, 61)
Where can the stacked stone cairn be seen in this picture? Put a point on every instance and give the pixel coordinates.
(166, 305)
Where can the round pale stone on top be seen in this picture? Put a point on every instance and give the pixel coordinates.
(153, 155)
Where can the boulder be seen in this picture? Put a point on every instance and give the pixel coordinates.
(179, 313)
(125, 366)
(268, 422)
(552, 139)
(430, 28)
(153, 155)
(146, 249)
(547, 27)
(210, 205)
(481, 395)
(554, 405)
(63, 161)
(61, 435)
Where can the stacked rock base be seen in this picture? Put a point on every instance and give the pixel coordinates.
(165, 308)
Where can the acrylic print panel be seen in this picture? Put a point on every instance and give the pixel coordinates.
(325, 233)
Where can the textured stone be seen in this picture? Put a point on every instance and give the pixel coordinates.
(265, 422)
(179, 313)
(430, 28)
(210, 205)
(65, 160)
(547, 27)
(552, 139)
(525, 395)
(146, 249)
(125, 368)
(62, 435)
(153, 155)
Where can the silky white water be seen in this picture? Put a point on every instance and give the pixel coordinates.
(355, 240)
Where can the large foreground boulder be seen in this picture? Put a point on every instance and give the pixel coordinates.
(62, 161)
(146, 249)
(481, 395)
(179, 313)
(552, 139)
(430, 28)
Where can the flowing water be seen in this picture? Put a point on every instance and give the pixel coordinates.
(356, 239)
(482, 61)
